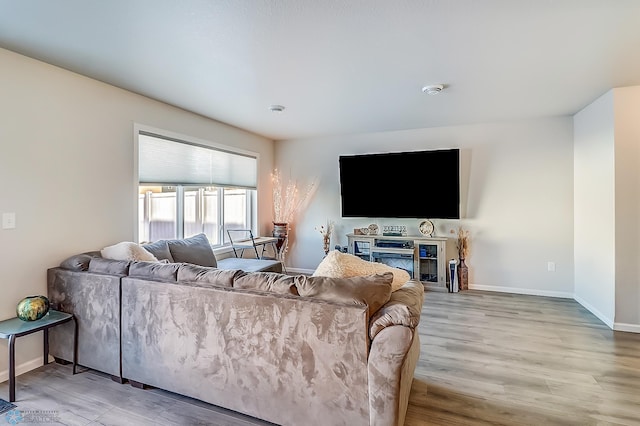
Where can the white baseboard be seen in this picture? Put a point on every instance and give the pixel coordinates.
(608, 321)
(22, 368)
(629, 328)
(528, 291)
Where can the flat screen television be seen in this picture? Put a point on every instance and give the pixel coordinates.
(416, 184)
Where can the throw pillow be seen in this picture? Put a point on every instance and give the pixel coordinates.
(195, 250)
(160, 249)
(127, 251)
(371, 290)
(344, 265)
(268, 281)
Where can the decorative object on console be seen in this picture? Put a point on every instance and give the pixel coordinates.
(32, 308)
(287, 201)
(426, 228)
(326, 231)
(373, 229)
(394, 230)
(462, 244)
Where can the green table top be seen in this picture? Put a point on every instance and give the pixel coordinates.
(17, 327)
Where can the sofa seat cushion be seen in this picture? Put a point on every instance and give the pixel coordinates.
(196, 250)
(204, 274)
(250, 265)
(267, 281)
(371, 290)
(127, 250)
(344, 265)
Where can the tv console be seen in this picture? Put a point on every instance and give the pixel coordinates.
(423, 257)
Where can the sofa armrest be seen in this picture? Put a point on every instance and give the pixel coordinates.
(403, 308)
(392, 361)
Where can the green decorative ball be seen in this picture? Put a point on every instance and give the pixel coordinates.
(32, 308)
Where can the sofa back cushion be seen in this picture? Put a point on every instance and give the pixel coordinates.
(267, 281)
(205, 274)
(160, 249)
(100, 265)
(153, 271)
(371, 290)
(195, 250)
(79, 262)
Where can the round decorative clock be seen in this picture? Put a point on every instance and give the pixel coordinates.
(426, 228)
(373, 229)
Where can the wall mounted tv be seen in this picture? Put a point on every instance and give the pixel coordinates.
(416, 184)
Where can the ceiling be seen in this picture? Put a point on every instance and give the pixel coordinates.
(340, 66)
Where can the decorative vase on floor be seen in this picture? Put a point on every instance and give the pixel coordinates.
(326, 242)
(281, 232)
(463, 275)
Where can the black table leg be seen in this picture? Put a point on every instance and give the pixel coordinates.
(75, 344)
(12, 368)
(46, 346)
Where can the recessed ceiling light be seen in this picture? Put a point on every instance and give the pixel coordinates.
(433, 89)
(276, 108)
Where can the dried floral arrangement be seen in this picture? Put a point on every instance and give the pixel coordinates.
(326, 230)
(462, 244)
(287, 199)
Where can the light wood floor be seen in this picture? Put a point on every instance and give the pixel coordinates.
(487, 359)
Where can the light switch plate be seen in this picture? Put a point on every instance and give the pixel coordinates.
(8, 220)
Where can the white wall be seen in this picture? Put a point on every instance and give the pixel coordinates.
(626, 107)
(66, 168)
(518, 177)
(594, 225)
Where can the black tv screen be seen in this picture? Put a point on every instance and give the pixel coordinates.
(417, 184)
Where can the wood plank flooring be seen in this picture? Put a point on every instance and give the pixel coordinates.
(487, 359)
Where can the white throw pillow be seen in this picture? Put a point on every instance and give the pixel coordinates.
(127, 251)
(344, 265)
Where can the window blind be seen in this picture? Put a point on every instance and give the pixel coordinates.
(166, 161)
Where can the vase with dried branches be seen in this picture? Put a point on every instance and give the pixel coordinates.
(462, 244)
(326, 231)
(288, 199)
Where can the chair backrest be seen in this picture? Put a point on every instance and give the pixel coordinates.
(238, 235)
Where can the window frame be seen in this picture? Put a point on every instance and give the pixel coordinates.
(252, 193)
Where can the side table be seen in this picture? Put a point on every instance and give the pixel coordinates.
(15, 327)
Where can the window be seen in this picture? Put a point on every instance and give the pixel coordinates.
(187, 189)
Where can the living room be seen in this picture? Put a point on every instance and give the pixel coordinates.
(536, 190)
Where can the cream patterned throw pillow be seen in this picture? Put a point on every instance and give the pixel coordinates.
(344, 265)
(127, 251)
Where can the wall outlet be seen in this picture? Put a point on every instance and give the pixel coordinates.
(551, 266)
(8, 220)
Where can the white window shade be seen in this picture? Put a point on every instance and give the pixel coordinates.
(165, 161)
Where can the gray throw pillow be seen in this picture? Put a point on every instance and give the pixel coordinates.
(160, 249)
(267, 281)
(371, 290)
(206, 274)
(196, 250)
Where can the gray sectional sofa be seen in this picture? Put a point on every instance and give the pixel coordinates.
(288, 349)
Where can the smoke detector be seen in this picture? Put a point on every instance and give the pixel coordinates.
(276, 108)
(433, 89)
